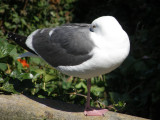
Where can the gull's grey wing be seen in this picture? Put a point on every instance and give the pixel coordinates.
(67, 45)
(77, 24)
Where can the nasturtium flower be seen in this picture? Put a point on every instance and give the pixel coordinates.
(23, 62)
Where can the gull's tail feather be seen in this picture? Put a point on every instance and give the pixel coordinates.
(20, 40)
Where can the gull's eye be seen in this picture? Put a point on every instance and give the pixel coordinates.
(94, 26)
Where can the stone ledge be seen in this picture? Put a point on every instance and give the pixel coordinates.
(20, 107)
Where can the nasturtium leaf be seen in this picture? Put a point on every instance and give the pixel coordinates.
(3, 66)
(40, 71)
(48, 77)
(8, 87)
(25, 76)
(14, 54)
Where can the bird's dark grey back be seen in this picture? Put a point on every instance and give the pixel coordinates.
(68, 45)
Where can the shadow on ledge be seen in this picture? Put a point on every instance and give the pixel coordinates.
(58, 105)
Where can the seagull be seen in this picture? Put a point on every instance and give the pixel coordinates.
(80, 50)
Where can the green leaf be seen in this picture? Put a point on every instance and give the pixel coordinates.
(16, 20)
(5, 49)
(97, 90)
(66, 85)
(50, 89)
(36, 18)
(52, 13)
(41, 96)
(40, 71)
(25, 76)
(1, 80)
(35, 60)
(7, 24)
(8, 88)
(23, 21)
(81, 85)
(15, 74)
(48, 77)
(14, 53)
(2, 11)
(3, 66)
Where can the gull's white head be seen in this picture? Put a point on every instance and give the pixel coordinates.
(105, 25)
(112, 42)
(108, 35)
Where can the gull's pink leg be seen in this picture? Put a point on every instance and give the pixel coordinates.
(89, 111)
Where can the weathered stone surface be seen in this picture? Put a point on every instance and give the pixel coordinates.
(20, 107)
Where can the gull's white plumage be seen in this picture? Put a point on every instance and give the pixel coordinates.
(30, 39)
(112, 47)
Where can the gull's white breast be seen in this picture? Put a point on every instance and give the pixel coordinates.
(107, 56)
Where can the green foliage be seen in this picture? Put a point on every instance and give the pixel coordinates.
(24, 16)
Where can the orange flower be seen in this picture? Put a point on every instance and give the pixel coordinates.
(23, 62)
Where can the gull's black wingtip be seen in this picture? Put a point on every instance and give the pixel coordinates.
(19, 39)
